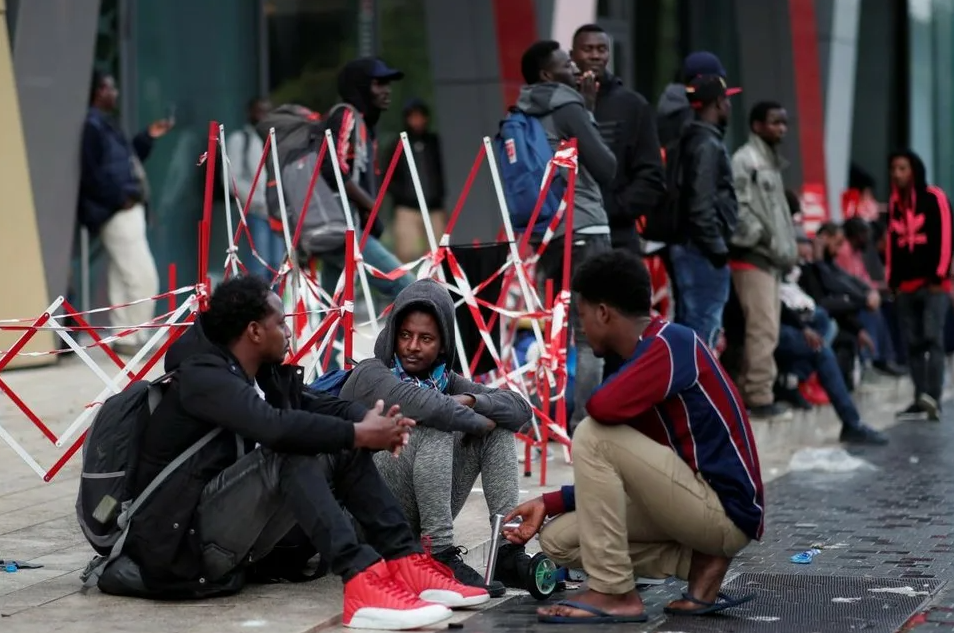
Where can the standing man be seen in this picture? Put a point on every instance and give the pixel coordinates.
(244, 148)
(410, 240)
(365, 88)
(551, 95)
(918, 269)
(700, 265)
(628, 128)
(674, 112)
(763, 249)
(114, 193)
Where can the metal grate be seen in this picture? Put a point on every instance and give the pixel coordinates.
(814, 604)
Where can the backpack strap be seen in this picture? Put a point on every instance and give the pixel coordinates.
(94, 570)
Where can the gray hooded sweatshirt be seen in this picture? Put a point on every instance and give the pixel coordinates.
(673, 113)
(563, 113)
(373, 380)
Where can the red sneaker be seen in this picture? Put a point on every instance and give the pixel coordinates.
(375, 600)
(425, 577)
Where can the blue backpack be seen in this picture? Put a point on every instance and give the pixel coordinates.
(523, 152)
(331, 382)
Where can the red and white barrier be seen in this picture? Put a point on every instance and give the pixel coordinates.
(318, 312)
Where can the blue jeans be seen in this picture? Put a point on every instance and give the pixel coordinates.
(269, 244)
(702, 291)
(877, 327)
(376, 255)
(795, 356)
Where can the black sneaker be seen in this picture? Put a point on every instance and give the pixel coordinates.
(889, 368)
(513, 562)
(861, 433)
(913, 412)
(793, 397)
(774, 411)
(453, 557)
(930, 406)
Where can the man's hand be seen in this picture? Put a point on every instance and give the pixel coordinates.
(589, 86)
(464, 399)
(814, 339)
(383, 432)
(532, 513)
(865, 341)
(160, 127)
(874, 300)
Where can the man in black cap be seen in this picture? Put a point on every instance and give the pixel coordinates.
(700, 272)
(365, 88)
(673, 112)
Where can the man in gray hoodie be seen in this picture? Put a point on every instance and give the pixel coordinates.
(565, 112)
(463, 429)
(673, 112)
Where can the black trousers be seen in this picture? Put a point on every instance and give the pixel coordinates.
(250, 507)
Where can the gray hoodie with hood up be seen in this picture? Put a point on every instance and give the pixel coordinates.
(373, 380)
(563, 113)
(673, 113)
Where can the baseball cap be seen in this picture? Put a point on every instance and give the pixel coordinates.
(705, 89)
(380, 70)
(705, 63)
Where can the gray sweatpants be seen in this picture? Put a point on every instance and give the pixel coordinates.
(437, 471)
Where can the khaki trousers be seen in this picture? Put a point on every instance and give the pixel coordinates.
(757, 291)
(639, 509)
(131, 273)
(410, 239)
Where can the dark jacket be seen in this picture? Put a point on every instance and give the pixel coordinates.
(356, 140)
(210, 390)
(919, 234)
(840, 294)
(708, 192)
(430, 168)
(628, 128)
(562, 113)
(107, 177)
(373, 380)
(673, 113)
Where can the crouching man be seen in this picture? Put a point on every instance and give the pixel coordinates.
(272, 472)
(667, 479)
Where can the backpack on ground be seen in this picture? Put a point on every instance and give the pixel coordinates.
(105, 504)
(331, 382)
(665, 223)
(299, 133)
(523, 151)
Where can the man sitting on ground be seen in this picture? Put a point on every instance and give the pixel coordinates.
(666, 464)
(230, 505)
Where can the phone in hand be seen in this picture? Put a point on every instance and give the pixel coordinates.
(171, 113)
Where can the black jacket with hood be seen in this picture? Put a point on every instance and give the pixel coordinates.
(430, 167)
(628, 127)
(708, 191)
(355, 138)
(210, 390)
(843, 296)
(373, 380)
(919, 239)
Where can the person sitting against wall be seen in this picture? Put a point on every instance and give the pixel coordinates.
(804, 348)
(665, 465)
(464, 429)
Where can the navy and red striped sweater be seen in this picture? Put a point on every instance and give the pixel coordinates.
(675, 391)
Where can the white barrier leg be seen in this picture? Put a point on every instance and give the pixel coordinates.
(228, 200)
(133, 362)
(432, 244)
(286, 230)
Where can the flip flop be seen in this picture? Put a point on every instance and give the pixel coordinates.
(709, 608)
(599, 616)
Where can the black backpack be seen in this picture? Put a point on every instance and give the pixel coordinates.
(105, 504)
(665, 223)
